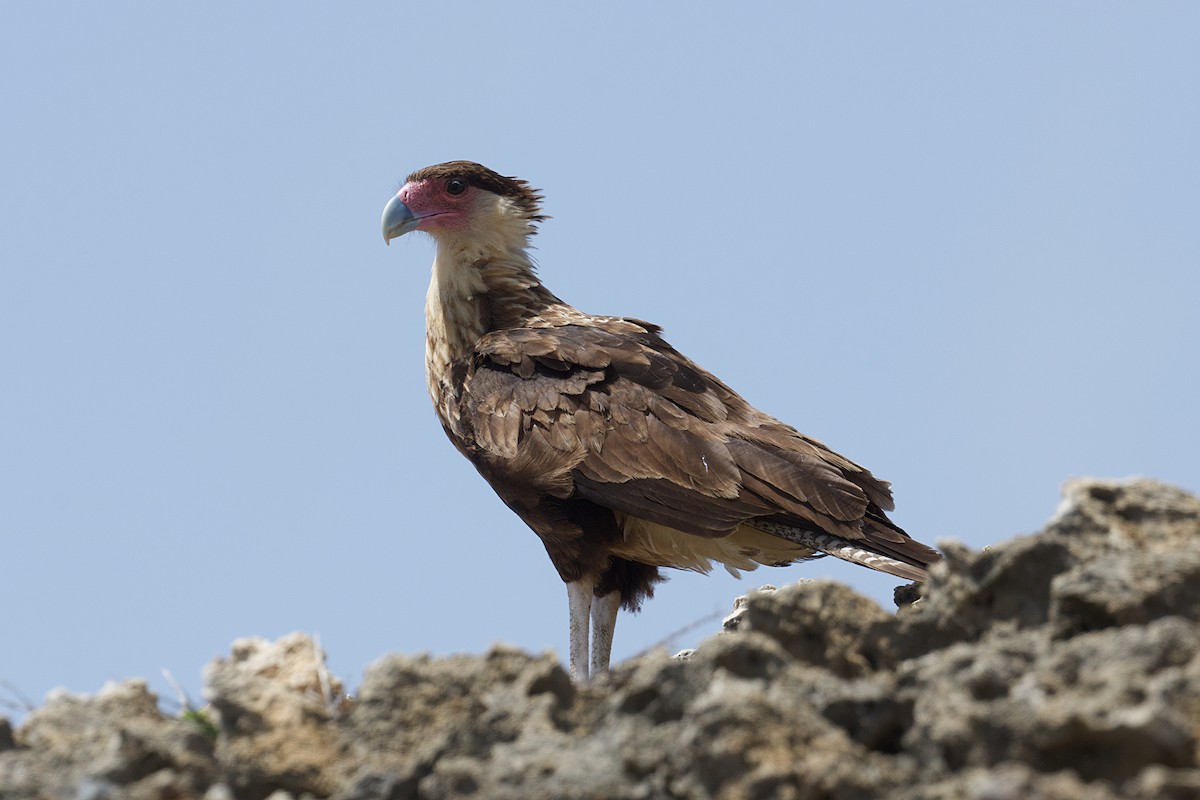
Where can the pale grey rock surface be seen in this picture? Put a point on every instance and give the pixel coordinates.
(1058, 666)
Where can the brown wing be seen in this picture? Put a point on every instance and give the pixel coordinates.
(612, 414)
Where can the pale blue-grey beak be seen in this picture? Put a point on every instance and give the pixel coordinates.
(398, 219)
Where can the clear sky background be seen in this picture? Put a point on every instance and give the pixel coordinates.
(958, 242)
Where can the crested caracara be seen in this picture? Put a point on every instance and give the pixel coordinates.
(622, 454)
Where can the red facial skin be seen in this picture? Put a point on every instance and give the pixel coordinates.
(432, 203)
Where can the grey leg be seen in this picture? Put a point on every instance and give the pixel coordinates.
(579, 605)
(604, 623)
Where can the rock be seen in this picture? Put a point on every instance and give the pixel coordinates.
(825, 624)
(1059, 666)
(273, 710)
(424, 727)
(741, 604)
(1127, 516)
(907, 594)
(116, 743)
(1125, 589)
(1163, 783)
(1011, 781)
(1104, 704)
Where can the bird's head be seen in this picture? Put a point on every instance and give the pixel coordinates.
(461, 201)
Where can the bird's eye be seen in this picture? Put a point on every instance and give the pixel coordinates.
(456, 186)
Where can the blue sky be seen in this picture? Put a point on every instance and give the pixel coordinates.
(957, 242)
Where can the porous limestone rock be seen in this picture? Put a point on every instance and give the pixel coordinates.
(1059, 666)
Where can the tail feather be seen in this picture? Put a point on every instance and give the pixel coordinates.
(861, 552)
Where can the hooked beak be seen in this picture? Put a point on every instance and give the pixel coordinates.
(398, 219)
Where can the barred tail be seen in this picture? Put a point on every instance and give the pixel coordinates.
(845, 550)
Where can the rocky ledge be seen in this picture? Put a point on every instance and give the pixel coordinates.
(1060, 665)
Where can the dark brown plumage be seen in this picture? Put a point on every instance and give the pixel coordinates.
(619, 452)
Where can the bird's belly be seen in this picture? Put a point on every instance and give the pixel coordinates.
(745, 549)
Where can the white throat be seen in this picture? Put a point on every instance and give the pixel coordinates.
(473, 288)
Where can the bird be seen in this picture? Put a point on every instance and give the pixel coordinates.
(624, 456)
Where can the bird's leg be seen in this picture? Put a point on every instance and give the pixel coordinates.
(579, 604)
(604, 623)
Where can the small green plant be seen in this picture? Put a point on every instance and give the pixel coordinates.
(199, 717)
